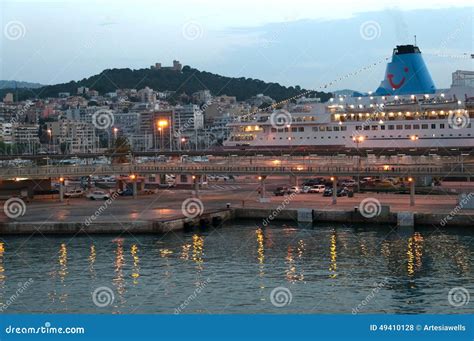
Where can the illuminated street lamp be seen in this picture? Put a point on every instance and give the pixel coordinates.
(414, 137)
(162, 124)
(358, 139)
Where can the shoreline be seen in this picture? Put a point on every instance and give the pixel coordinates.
(216, 218)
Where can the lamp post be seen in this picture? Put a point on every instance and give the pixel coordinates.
(50, 135)
(358, 139)
(162, 124)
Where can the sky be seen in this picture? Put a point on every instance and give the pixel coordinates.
(298, 42)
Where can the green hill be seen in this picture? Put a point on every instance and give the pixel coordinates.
(188, 81)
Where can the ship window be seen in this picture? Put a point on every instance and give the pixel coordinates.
(280, 130)
(416, 126)
(408, 126)
(441, 126)
(287, 130)
(329, 128)
(366, 127)
(433, 126)
(315, 128)
(358, 127)
(322, 128)
(274, 130)
(382, 127)
(469, 125)
(336, 128)
(343, 128)
(294, 130)
(399, 127)
(390, 127)
(424, 126)
(301, 129)
(374, 127)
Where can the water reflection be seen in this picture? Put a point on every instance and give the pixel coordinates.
(136, 266)
(333, 255)
(154, 274)
(92, 256)
(119, 280)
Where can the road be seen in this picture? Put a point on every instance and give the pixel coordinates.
(167, 204)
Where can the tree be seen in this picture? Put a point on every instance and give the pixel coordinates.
(120, 146)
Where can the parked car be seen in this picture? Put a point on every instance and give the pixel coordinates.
(341, 192)
(349, 183)
(317, 189)
(327, 192)
(98, 195)
(295, 189)
(76, 193)
(280, 191)
(126, 192)
(306, 189)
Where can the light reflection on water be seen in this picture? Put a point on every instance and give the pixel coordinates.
(327, 269)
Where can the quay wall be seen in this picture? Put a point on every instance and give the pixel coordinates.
(214, 218)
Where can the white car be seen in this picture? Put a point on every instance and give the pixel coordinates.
(294, 189)
(317, 189)
(98, 195)
(76, 193)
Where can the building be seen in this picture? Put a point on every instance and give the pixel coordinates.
(463, 78)
(158, 123)
(202, 97)
(8, 98)
(6, 132)
(127, 123)
(74, 136)
(176, 66)
(147, 95)
(26, 135)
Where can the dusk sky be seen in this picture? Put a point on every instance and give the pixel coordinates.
(294, 43)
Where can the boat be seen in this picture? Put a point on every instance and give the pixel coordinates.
(406, 111)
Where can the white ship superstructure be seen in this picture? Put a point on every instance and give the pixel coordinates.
(392, 117)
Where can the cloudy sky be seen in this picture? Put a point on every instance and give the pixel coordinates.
(294, 42)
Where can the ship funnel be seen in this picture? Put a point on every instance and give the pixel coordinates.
(406, 74)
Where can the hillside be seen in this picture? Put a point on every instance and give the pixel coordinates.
(188, 81)
(4, 84)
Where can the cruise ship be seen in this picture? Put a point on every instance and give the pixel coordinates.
(405, 111)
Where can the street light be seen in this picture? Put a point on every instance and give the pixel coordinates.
(414, 137)
(162, 124)
(358, 139)
(50, 135)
